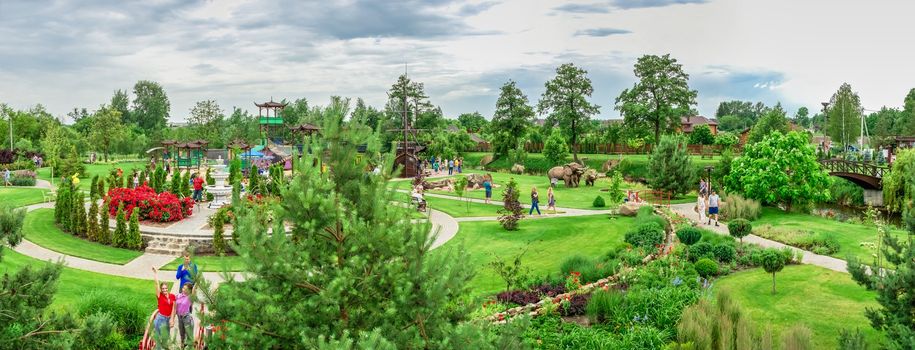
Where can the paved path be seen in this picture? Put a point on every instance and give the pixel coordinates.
(828, 262)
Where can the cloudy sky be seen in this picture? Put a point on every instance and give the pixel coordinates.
(66, 54)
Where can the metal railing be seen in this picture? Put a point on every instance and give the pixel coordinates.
(861, 168)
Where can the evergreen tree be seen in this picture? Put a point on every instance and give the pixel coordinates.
(93, 188)
(219, 241)
(92, 230)
(61, 209)
(356, 260)
(185, 184)
(134, 240)
(119, 238)
(511, 211)
(82, 226)
(175, 187)
(101, 187)
(775, 120)
(254, 181)
(73, 218)
(670, 168)
(104, 232)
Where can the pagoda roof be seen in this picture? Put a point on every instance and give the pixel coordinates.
(305, 127)
(270, 104)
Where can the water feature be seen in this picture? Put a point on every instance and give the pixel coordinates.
(219, 190)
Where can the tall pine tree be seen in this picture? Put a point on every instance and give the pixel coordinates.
(352, 268)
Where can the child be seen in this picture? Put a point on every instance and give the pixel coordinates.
(551, 200)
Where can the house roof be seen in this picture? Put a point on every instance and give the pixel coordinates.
(687, 123)
(477, 139)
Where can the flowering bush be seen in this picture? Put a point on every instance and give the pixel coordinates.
(161, 207)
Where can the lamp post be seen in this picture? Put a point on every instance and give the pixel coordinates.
(708, 171)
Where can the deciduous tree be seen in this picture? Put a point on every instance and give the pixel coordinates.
(660, 96)
(107, 128)
(774, 120)
(566, 102)
(555, 149)
(511, 119)
(150, 106)
(843, 117)
(779, 170)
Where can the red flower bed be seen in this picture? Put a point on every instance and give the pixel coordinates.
(161, 207)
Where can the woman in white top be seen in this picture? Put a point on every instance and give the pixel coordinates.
(700, 205)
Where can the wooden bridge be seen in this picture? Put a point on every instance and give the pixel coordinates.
(866, 175)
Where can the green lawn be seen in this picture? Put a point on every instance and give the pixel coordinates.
(102, 170)
(39, 228)
(850, 236)
(74, 284)
(548, 242)
(210, 263)
(21, 196)
(537, 163)
(825, 301)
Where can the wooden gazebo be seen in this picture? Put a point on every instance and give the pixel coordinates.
(193, 150)
(264, 118)
(305, 129)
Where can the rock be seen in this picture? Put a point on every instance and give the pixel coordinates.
(441, 184)
(476, 180)
(629, 209)
(486, 160)
(609, 165)
(517, 169)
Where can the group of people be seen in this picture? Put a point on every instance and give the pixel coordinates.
(535, 200)
(440, 165)
(707, 203)
(172, 308)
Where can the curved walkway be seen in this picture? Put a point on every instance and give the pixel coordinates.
(828, 262)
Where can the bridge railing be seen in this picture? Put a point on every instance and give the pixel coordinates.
(846, 166)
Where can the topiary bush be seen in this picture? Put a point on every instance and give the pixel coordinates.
(646, 235)
(700, 250)
(724, 253)
(706, 267)
(740, 228)
(598, 202)
(689, 235)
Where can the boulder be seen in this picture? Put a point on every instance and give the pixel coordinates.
(609, 165)
(476, 180)
(517, 169)
(629, 209)
(486, 160)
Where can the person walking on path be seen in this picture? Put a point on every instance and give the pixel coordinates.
(487, 186)
(6, 176)
(703, 188)
(713, 207)
(459, 163)
(535, 198)
(551, 200)
(700, 208)
(185, 319)
(450, 166)
(166, 309)
(198, 188)
(136, 180)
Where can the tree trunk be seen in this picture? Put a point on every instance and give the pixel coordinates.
(574, 139)
(773, 283)
(657, 132)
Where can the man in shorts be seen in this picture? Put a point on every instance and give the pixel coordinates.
(713, 201)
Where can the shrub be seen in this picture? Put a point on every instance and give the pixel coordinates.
(598, 202)
(574, 306)
(511, 211)
(161, 207)
(738, 207)
(797, 338)
(689, 235)
(92, 229)
(134, 241)
(103, 235)
(555, 150)
(23, 178)
(589, 270)
(852, 340)
(706, 267)
(119, 239)
(11, 220)
(740, 228)
(646, 214)
(646, 235)
(723, 325)
(724, 253)
(605, 306)
(128, 315)
(219, 242)
(700, 250)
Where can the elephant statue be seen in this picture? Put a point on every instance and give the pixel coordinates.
(590, 176)
(570, 173)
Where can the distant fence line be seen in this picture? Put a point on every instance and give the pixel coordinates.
(611, 148)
